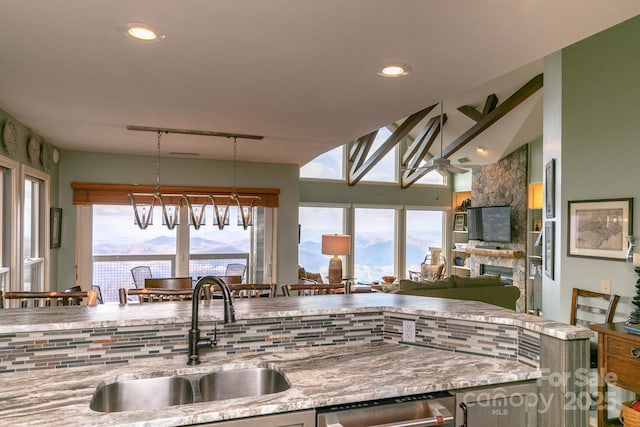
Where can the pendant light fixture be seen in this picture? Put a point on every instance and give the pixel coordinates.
(143, 203)
(143, 213)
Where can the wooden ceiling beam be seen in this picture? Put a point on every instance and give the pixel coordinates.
(359, 169)
(414, 172)
(475, 115)
(521, 95)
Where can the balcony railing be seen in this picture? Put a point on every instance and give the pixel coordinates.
(112, 272)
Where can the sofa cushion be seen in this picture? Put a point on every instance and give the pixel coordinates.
(476, 282)
(409, 285)
(503, 296)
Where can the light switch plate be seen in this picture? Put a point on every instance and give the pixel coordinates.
(606, 286)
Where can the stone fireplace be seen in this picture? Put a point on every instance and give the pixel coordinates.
(499, 184)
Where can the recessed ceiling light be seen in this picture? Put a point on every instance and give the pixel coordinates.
(481, 150)
(394, 70)
(143, 32)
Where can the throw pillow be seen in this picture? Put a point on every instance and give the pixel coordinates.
(410, 285)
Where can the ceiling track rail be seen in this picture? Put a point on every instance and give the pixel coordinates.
(195, 132)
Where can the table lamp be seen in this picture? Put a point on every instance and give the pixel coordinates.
(336, 245)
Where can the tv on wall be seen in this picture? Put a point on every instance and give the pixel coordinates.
(489, 223)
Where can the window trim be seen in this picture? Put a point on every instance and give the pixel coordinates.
(27, 171)
(15, 267)
(86, 193)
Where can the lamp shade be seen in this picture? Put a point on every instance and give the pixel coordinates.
(336, 244)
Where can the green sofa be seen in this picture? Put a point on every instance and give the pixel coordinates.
(487, 289)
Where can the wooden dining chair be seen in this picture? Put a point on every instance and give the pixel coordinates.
(150, 295)
(589, 307)
(169, 283)
(50, 298)
(315, 289)
(253, 290)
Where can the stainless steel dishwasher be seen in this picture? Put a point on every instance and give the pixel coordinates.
(420, 410)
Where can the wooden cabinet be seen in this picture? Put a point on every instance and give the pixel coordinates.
(287, 419)
(618, 362)
(459, 259)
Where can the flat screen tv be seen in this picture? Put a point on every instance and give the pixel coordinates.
(489, 223)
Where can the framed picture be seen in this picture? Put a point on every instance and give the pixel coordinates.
(550, 189)
(56, 224)
(459, 222)
(599, 228)
(549, 236)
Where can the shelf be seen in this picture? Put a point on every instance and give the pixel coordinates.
(461, 267)
(460, 231)
(464, 251)
(501, 253)
(535, 257)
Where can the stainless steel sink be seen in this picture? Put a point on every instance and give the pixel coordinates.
(147, 393)
(242, 383)
(144, 393)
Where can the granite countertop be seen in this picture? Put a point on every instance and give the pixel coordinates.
(318, 377)
(106, 315)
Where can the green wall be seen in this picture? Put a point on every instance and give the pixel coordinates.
(23, 135)
(115, 168)
(380, 194)
(598, 150)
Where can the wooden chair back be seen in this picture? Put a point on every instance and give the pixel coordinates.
(169, 283)
(592, 307)
(315, 289)
(600, 307)
(231, 280)
(49, 299)
(149, 295)
(253, 290)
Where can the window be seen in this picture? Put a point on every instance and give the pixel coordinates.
(329, 165)
(375, 243)
(314, 222)
(8, 222)
(119, 245)
(35, 207)
(385, 169)
(424, 230)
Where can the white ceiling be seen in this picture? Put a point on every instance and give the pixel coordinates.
(301, 73)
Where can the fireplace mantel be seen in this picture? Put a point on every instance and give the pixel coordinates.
(500, 253)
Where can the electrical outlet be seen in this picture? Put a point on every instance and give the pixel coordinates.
(408, 331)
(606, 286)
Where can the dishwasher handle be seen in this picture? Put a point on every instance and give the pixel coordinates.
(442, 417)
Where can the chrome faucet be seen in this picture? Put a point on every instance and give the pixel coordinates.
(195, 342)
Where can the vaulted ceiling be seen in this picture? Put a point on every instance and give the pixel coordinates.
(301, 73)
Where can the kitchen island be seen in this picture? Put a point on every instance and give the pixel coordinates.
(333, 349)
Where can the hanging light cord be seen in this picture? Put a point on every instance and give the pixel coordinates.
(235, 152)
(158, 165)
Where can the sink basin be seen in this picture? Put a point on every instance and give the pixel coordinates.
(242, 383)
(142, 394)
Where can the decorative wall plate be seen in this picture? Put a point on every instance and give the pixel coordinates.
(10, 137)
(34, 150)
(46, 156)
